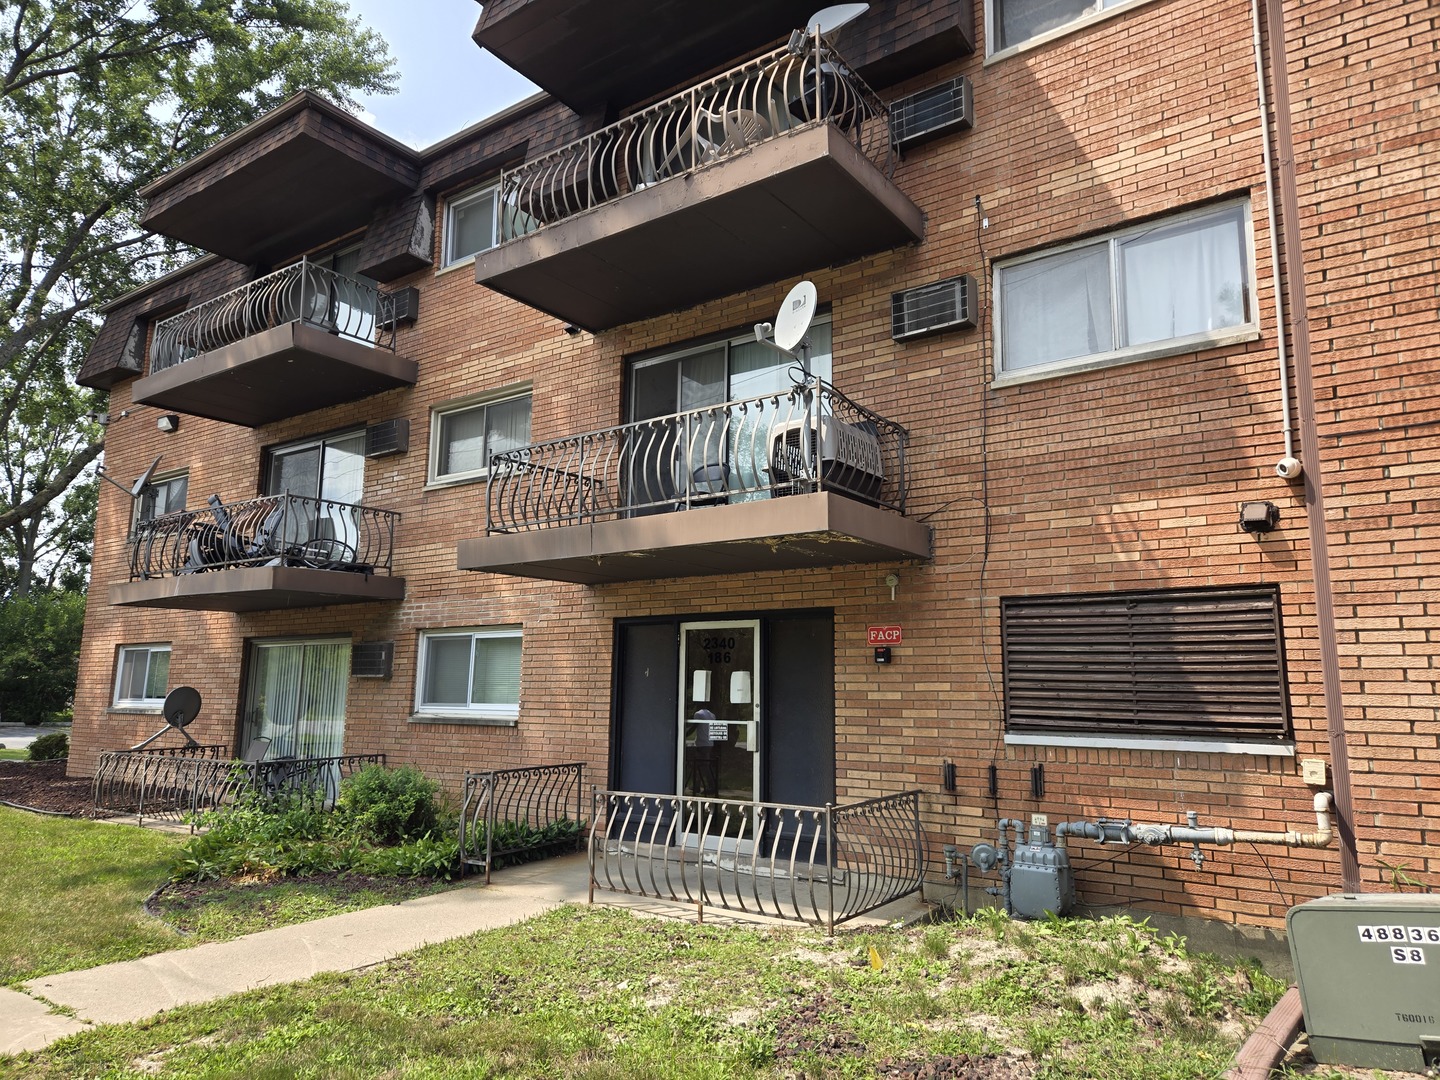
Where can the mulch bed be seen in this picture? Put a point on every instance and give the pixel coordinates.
(43, 785)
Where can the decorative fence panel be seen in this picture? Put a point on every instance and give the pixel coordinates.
(809, 438)
(509, 811)
(814, 864)
(166, 785)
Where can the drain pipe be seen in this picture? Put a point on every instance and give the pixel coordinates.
(1288, 467)
(1002, 851)
(1109, 831)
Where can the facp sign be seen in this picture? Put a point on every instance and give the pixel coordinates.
(885, 635)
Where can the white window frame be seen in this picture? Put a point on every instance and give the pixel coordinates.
(492, 711)
(1248, 330)
(439, 413)
(460, 201)
(1108, 10)
(150, 649)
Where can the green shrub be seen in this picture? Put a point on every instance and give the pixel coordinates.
(434, 855)
(50, 747)
(389, 806)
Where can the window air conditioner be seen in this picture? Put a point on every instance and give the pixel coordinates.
(931, 113)
(931, 309)
(847, 459)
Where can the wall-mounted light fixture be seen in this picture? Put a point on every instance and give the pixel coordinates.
(572, 329)
(1258, 517)
(168, 422)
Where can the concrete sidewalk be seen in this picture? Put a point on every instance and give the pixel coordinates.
(135, 989)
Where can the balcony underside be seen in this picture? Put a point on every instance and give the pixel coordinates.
(592, 53)
(258, 588)
(277, 373)
(802, 200)
(789, 533)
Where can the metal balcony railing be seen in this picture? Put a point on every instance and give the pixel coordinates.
(809, 438)
(802, 84)
(274, 530)
(814, 864)
(530, 812)
(173, 785)
(305, 292)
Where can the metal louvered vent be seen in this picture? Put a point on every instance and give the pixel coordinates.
(406, 310)
(387, 437)
(930, 309)
(372, 659)
(1207, 662)
(934, 112)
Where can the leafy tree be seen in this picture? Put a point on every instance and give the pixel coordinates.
(97, 99)
(39, 653)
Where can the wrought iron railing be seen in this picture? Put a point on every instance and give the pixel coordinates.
(814, 864)
(804, 84)
(510, 811)
(809, 438)
(177, 785)
(305, 292)
(274, 530)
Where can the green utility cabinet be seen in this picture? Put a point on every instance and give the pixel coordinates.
(1368, 967)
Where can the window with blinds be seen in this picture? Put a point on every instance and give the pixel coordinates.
(1190, 662)
(470, 673)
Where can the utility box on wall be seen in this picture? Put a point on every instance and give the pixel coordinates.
(1368, 967)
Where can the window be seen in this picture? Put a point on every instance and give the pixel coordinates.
(1012, 22)
(141, 676)
(163, 495)
(331, 467)
(471, 223)
(1171, 662)
(470, 673)
(1172, 285)
(463, 438)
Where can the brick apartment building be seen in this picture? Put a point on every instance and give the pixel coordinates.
(1048, 366)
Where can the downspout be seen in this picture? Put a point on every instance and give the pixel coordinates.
(1298, 306)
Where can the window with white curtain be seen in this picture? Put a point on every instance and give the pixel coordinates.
(464, 436)
(1015, 22)
(470, 673)
(1172, 285)
(295, 696)
(142, 675)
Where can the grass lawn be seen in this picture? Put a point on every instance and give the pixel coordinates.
(23, 754)
(598, 993)
(72, 894)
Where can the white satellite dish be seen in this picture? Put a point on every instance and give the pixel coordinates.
(832, 18)
(796, 313)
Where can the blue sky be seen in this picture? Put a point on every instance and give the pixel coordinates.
(447, 82)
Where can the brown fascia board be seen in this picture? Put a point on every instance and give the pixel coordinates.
(305, 99)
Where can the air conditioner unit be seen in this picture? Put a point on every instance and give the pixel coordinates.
(847, 458)
(931, 309)
(387, 437)
(934, 112)
(372, 659)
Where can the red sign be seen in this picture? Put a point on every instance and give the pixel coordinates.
(884, 635)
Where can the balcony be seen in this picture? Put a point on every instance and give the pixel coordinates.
(772, 169)
(279, 551)
(300, 339)
(803, 478)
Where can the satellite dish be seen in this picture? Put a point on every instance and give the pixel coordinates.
(796, 311)
(181, 706)
(143, 481)
(833, 18)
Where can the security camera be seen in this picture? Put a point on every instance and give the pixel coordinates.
(1289, 468)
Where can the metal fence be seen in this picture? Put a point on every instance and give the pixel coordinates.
(305, 292)
(814, 864)
(809, 438)
(802, 84)
(274, 530)
(508, 811)
(171, 785)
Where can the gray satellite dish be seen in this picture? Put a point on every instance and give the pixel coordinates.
(181, 706)
(796, 313)
(832, 18)
(142, 481)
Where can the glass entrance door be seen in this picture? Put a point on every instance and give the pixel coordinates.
(720, 713)
(296, 697)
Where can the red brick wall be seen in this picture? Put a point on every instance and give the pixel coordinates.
(1124, 478)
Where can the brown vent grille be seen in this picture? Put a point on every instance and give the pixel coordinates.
(1204, 662)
